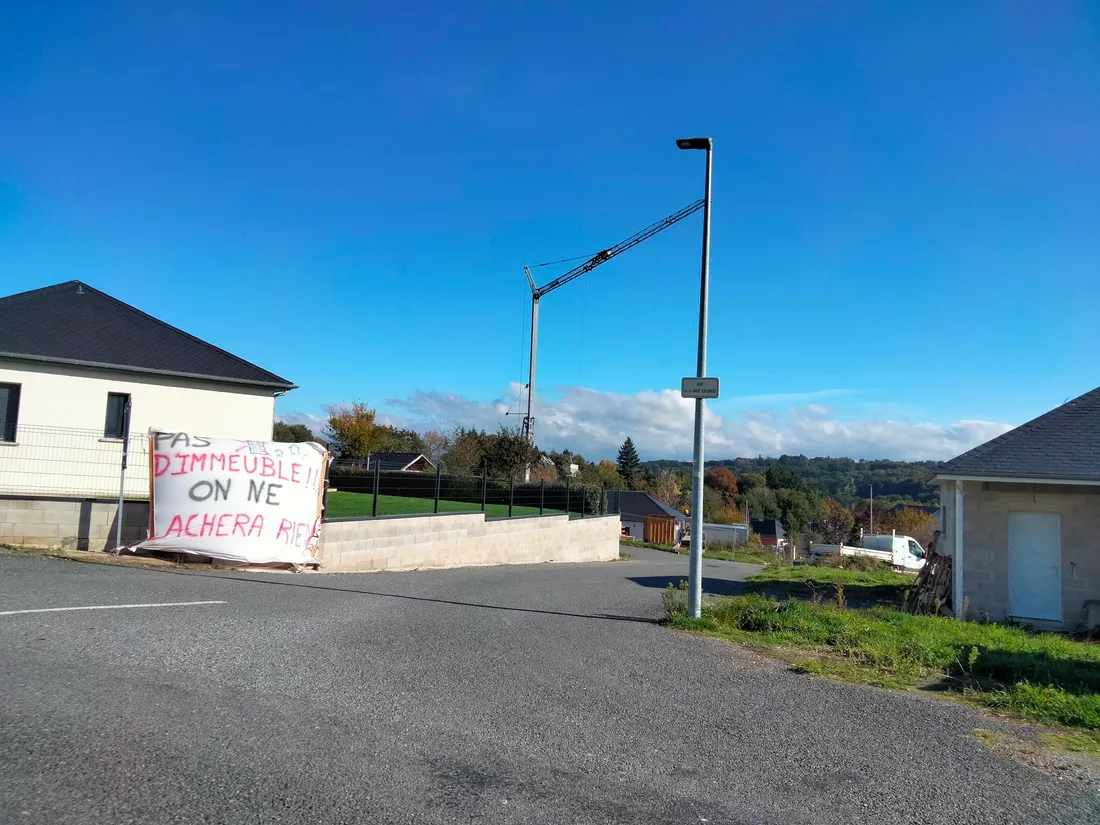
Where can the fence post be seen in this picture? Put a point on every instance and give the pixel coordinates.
(438, 478)
(511, 493)
(542, 495)
(484, 485)
(374, 506)
(122, 472)
(568, 512)
(603, 501)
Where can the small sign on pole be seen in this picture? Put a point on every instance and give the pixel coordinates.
(699, 387)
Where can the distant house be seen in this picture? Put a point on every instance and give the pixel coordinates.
(405, 462)
(769, 531)
(74, 359)
(633, 507)
(1021, 517)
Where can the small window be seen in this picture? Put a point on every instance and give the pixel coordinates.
(9, 411)
(115, 427)
(915, 549)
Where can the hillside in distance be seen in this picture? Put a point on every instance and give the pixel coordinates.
(844, 479)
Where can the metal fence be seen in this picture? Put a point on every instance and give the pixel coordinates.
(377, 492)
(66, 461)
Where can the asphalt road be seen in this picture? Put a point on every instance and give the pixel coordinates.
(535, 694)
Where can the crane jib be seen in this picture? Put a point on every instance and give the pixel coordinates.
(607, 254)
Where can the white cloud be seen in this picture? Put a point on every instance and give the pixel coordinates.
(595, 423)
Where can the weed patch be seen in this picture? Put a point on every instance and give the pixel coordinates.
(1042, 677)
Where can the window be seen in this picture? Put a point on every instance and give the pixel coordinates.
(9, 411)
(915, 549)
(117, 402)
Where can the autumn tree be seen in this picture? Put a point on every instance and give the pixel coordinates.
(666, 487)
(609, 475)
(544, 470)
(835, 523)
(722, 480)
(291, 433)
(351, 430)
(909, 521)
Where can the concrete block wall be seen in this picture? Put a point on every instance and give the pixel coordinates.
(79, 524)
(460, 539)
(986, 507)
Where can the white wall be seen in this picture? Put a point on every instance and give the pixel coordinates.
(59, 447)
(461, 539)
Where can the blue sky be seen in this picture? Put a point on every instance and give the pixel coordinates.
(905, 243)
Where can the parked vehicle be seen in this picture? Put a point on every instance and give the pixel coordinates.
(902, 552)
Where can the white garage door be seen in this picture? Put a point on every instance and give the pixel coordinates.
(1035, 565)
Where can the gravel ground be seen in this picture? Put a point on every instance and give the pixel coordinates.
(533, 694)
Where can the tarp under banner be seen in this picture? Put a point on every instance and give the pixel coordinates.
(256, 502)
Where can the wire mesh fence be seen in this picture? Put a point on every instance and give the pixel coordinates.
(358, 492)
(67, 461)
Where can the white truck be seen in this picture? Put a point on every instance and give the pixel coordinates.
(902, 552)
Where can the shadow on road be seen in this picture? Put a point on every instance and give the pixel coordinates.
(231, 578)
(715, 587)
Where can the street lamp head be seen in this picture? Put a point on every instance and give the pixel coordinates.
(695, 143)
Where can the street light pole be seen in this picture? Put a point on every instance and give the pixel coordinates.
(695, 566)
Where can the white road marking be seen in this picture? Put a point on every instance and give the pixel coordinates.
(102, 607)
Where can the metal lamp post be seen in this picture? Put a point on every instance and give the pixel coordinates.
(695, 575)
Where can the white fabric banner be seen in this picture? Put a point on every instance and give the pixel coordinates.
(257, 502)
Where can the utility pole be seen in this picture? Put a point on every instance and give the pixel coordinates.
(600, 257)
(695, 566)
(872, 486)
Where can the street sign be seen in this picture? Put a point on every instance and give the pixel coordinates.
(699, 387)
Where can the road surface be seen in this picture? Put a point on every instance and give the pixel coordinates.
(525, 694)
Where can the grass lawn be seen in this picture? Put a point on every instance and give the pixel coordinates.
(342, 504)
(1042, 677)
(750, 556)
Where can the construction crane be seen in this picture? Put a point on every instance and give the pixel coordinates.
(537, 292)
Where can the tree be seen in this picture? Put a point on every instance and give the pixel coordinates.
(608, 475)
(797, 508)
(666, 487)
(835, 523)
(291, 433)
(908, 521)
(780, 477)
(436, 445)
(628, 462)
(750, 481)
(761, 501)
(396, 440)
(508, 452)
(722, 480)
(351, 430)
(466, 453)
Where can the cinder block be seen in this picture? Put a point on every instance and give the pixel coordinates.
(26, 517)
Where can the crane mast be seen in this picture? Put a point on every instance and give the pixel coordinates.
(602, 257)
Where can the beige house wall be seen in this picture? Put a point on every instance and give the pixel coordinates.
(460, 539)
(986, 507)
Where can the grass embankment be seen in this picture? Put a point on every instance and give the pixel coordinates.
(342, 504)
(1042, 677)
(747, 554)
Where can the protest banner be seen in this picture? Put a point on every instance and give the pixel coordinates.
(255, 502)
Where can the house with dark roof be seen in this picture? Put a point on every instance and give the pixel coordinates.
(769, 531)
(74, 361)
(385, 462)
(633, 507)
(1021, 519)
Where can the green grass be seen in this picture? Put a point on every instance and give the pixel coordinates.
(1043, 677)
(342, 504)
(834, 575)
(750, 556)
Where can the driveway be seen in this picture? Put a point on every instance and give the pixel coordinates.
(527, 694)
